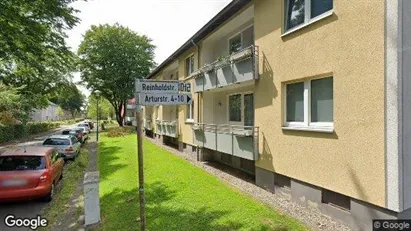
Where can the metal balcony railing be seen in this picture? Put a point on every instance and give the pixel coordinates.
(238, 67)
(167, 127)
(241, 141)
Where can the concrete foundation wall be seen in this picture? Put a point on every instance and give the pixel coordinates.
(358, 216)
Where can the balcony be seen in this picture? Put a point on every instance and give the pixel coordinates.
(167, 128)
(240, 141)
(238, 67)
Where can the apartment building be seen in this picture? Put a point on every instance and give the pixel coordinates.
(309, 96)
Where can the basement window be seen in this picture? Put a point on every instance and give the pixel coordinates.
(335, 199)
(282, 181)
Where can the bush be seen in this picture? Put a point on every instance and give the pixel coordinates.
(16, 131)
(6, 133)
(119, 131)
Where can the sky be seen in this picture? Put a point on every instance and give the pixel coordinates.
(169, 23)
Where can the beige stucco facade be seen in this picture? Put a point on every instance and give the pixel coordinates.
(185, 130)
(348, 45)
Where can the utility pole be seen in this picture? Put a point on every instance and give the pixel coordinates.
(140, 160)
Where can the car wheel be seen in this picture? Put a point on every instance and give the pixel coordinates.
(50, 195)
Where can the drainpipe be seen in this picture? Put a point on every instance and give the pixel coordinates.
(198, 94)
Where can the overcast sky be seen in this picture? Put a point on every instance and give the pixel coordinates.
(169, 23)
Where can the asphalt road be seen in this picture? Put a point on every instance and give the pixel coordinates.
(25, 209)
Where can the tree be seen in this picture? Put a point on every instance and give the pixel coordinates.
(9, 104)
(33, 55)
(33, 32)
(106, 109)
(111, 57)
(69, 98)
(60, 112)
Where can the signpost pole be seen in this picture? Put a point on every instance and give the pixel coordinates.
(140, 161)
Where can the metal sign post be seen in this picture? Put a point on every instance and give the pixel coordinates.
(152, 92)
(140, 162)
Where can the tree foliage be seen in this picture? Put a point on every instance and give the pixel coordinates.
(111, 57)
(34, 56)
(69, 98)
(9, 104)
(106, 109)
(32, 33)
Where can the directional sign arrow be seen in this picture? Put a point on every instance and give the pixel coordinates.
(188, 99)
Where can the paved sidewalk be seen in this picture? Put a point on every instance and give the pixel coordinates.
(73, 219)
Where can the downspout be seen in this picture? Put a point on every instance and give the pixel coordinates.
(198, 66)
(198, 95)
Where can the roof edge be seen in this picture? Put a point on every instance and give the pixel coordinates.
(222, 16)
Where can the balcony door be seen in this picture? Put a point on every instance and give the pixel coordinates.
(249, 109)
(241, 109)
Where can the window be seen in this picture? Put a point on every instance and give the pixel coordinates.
(300, 12)
(234, 44)
(56, 141)
(20, 163)
(309, 103)
(234, 105)
(189, 65)
(190, 112)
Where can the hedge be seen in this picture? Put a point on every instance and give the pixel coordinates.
(16, 131)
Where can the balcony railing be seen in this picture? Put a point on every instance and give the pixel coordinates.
(167, 128)
(239, 67)
(240, 141)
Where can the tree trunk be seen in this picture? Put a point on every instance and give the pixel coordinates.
(120, 115)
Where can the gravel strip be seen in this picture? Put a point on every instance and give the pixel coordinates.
(310, 216)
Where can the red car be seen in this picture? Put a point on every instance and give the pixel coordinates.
(29, 173)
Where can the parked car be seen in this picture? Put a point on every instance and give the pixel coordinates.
(30, 172)
(67, 145)
(85, 132)
(86, 125)
(76, 132)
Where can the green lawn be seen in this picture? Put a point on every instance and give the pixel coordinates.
(179, 196)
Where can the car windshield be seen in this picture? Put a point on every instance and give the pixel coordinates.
(83, 125)
(56, 141)
(66, 132)
(21, 163)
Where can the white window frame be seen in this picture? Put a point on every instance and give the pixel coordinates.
(190, 68)
(190, 107)
(241, 109)
(306, 124)
(307, 17)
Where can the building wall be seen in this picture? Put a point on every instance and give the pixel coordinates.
(50, 113)
(349, 45)
(185, 130)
